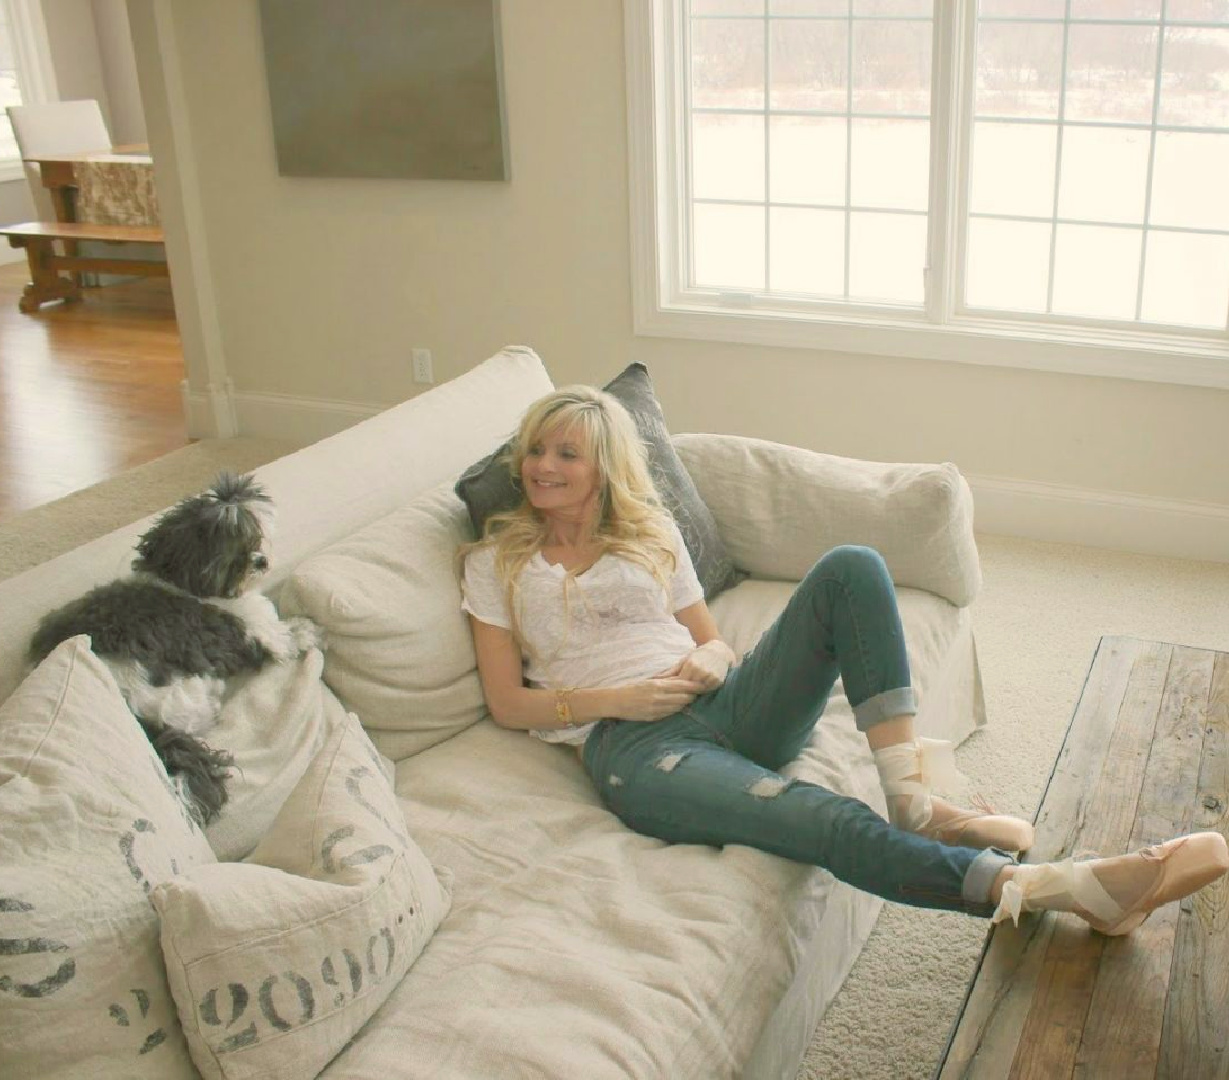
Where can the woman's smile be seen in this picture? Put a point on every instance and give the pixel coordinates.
(558, 474)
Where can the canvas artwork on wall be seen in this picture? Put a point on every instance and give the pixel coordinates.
(386, 88)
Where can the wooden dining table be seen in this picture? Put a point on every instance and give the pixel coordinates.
(113, 186)
(103, 199)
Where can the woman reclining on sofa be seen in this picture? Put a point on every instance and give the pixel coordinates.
(586, 592)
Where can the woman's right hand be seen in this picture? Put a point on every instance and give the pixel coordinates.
(655, 699)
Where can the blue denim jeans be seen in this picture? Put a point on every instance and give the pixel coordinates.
(708, 774)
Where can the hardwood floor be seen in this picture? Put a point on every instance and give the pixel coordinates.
(87, 390)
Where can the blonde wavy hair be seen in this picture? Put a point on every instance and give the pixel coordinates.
(631, 521)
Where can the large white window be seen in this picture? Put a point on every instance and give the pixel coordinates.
(1032, 182)
(26, 72)
(10, 89)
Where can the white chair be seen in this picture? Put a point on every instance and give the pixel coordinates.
(60, 127)
(66, 127)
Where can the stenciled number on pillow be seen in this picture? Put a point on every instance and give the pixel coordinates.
(239, 998)
(281, 1011)
(45, 987)
(129, 845)
(120, 1015)
(128, 848)
(329, 859)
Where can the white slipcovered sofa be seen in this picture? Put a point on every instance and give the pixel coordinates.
(547, 939)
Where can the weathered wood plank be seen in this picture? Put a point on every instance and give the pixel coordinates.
(1122, 1036)
(1195, 1039)
(985, 1044)
(1050, 1041)
(1146, 757)
(988, 1033)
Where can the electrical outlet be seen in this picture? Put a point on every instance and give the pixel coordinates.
(422, 366)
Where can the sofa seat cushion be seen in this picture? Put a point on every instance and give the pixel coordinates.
(576, 947)
(89, 825)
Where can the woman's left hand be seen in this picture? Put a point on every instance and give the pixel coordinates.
(707, 665)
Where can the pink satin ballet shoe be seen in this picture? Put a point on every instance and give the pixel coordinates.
(1115, 895)
(909, 773)
(980, 828)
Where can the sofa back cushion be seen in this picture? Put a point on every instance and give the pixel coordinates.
(779, 508)
(322, 492)
(89, 826)
(399, 651)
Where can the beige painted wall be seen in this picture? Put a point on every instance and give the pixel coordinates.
(118, 69)
(323, 286)
(73, 41)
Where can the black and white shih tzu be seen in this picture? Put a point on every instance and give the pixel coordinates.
(186, 620)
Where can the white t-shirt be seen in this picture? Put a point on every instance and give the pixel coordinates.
(616, 625)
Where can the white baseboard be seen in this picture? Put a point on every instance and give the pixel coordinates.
(1139, 523)
(297, 420)
(11, 255)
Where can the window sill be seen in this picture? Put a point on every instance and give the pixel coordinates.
(1155, 358)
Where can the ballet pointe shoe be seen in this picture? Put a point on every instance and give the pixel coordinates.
(1115, 895)
(909, 772)
(979, 828)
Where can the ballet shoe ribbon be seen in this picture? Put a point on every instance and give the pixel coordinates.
(1031, 886)
(937, 765)
(1060, 886)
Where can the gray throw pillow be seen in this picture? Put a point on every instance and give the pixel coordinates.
(487, 488)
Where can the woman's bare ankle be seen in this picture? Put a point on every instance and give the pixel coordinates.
(889, 732)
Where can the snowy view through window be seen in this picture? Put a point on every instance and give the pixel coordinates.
(1093, 186)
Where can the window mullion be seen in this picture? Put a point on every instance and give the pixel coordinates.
(849, 70)
(680, 87)
(767, 150)
(1058, 155)
(947, 119)
(1156, 118)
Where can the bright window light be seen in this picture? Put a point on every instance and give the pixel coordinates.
(1044, 169)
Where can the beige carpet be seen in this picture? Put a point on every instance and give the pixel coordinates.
(1039, 618)
(46, 531)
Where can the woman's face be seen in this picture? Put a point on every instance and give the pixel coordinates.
(558, 475)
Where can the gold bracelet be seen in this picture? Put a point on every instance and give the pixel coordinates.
(563, 707)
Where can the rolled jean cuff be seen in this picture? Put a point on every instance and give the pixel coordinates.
(975, 890)
(874, 710)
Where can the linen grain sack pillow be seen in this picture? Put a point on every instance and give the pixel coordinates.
(277, 961)
(89, 825)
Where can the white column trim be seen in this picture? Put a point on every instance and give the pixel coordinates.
(210, 410)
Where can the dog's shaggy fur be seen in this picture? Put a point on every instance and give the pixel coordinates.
(184, 622)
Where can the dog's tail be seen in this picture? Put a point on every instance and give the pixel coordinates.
(195, 768)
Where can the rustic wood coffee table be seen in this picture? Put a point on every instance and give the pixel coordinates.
(1146, 757)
